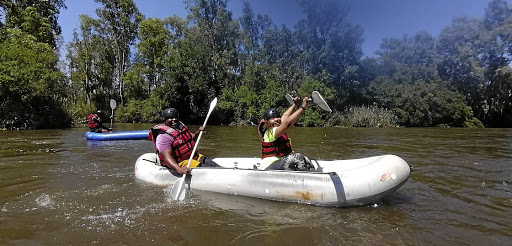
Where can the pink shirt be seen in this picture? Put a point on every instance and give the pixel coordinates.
(163, 142)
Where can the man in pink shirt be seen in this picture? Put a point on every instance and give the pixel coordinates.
(174, 143)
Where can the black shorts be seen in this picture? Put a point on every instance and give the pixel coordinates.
(207, 162)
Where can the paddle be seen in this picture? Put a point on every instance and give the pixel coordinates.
(178, 189)
(113, 106)
(316, 98)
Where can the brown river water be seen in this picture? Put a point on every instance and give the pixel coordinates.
(57, 188)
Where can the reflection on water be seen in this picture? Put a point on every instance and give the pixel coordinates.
(56, 188)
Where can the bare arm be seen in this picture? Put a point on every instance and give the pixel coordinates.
(196, 134)
(289, 111)
(287, 122)
(172, 163)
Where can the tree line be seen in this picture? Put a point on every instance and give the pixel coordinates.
(459, 78)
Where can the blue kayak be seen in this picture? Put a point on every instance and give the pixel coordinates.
(126, 135)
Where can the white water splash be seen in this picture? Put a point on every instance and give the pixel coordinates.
(118, 217)
(44, 200)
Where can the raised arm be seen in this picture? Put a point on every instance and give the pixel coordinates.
(289, 118)
(289, 111)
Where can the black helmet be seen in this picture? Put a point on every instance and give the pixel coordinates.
(171, 113)
(101, 113)
(271, 113)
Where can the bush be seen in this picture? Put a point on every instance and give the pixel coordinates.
(473, 123)
(140, 111)
(80, 111)
(363, 116)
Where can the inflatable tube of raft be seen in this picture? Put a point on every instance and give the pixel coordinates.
(337, 183)
(126, 135)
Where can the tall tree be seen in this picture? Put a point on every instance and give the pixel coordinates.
(411, 85)
(460, 64)
(156, 40)
(90, 64)
(415, 56)
(151, 51)
(38, 18)
(476, 55)
(251, 32)
(205, 60)
(118, 24)
(496, 54)
(31, 86)
(216, 30)
(280, 51)
(329, 42)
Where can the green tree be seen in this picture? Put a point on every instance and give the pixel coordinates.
(329, 42)
(187, 85)
(458, 44)
(251, 32)
(245, 104)
(90, 67)
(30, 84)
(476, 55)
(413, 87)
(151, 51)
(411, 58)
(117, 24)
(421, 104)
(217, 31)
(99, 56)
(156, 40)
(496, 53)
(38, 18)
(280, 50)
(203, 61)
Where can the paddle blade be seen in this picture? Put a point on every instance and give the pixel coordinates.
(113, 104)
(319, 100)
(212, 106)
(178, 189)
(289, 98)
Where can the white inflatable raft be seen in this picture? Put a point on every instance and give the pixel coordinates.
(334, 183)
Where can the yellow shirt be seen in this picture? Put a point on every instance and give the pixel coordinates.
(269, 137)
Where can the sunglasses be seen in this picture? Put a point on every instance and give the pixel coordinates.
(174, 120)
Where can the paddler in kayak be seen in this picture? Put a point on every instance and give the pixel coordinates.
(174, 143)
(277, 153)
(95, 122)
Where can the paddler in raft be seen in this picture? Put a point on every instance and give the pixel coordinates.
(277, 153)
(95, 122)
(174, 143)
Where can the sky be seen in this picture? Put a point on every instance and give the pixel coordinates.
(379, 18)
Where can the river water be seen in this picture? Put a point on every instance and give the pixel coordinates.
(57, 188)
